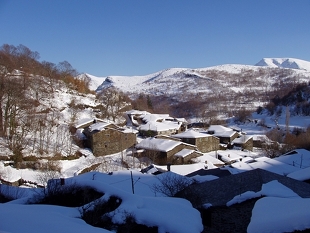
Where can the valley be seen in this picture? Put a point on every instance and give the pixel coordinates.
(149, 131)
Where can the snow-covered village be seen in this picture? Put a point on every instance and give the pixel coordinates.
(154, 116)
(89, 154)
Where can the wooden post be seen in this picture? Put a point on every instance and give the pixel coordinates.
(132, 185)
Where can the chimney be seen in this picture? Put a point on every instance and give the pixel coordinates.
(62, 181)
(168, 166)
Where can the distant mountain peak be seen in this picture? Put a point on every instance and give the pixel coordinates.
(291, 63)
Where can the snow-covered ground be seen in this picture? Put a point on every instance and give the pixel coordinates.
(173, 215)
(280, 209)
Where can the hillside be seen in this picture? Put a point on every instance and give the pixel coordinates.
(219, 90)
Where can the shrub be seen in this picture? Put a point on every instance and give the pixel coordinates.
(100, 213)
(170, 184)
(9, 193)
(69, 195)
(242, 115)
(131, 226)
(4, 199)
(259, 110)
(96, 213)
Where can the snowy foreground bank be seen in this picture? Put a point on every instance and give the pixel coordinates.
(279, 209)
(169, 214)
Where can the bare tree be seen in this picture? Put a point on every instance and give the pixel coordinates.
(170, 183)
(112, 102)
(50, 170)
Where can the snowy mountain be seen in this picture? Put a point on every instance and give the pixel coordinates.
(291, 63)
(156, 84)
(229, 86)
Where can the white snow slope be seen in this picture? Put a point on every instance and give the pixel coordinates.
(200, 80)
(174, 215)
(291, 63)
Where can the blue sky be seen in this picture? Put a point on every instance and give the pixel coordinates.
(139, 37)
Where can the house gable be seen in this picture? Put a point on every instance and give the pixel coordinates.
(204, 142)
(106, 139)
(162, 151)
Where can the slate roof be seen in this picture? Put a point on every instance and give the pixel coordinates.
(163, 145)
(206, 172)
(221, 131)
(218, 192)
(243, 139)
(191, 134)
(185, 152)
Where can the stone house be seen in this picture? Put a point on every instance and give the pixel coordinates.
(83, 123)
(107, 138)
(151, 125)
(226, 135)
(245, 142)
(162, 151)
(260, 140)
(204, 142)
(134, 117)
(185, 155)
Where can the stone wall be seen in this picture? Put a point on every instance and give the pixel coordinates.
(207, 144)
(110, 141)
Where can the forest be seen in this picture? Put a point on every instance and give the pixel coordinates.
(25, 83)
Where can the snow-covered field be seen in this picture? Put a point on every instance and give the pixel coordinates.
(280, 209)
(175, 215)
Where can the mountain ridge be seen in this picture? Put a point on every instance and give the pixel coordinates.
(290, 63)
(132, 84)
(223, 88)
(123, 83)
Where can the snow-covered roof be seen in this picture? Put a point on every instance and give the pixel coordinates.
(163, 145)
(242, 139)
(137, 112)
(229, 156)
(180, 119)
(85, 121)
(184, 152)
(240, 166)
(219, 128)
(98, 126)
(224, 134)
(207, 158)
(191, 134)
(160, 126)
(221, 131)
(261, 159)
(155, 117)
(302, 175)
(184, 169)
(260, 137)
(129, 130)
(298, 158)
(271, 165)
